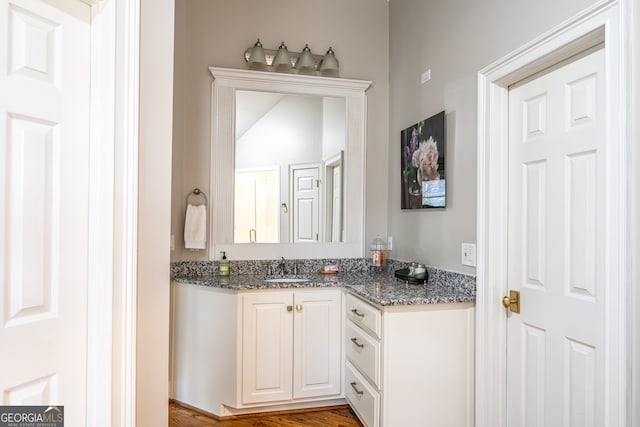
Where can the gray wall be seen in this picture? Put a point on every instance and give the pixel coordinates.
(217, 32)
(455, 39)
(388, 43)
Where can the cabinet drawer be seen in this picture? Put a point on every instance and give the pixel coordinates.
(362, 397)
(364, 352)
(363, 314)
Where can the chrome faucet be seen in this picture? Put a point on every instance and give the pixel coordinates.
(283, 269)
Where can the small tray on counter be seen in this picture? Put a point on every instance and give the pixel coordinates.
(415, 279)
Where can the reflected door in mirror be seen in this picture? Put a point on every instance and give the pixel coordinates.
(306, 203)
(256, 206)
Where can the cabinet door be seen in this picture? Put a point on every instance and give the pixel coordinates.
(317, 357)
(267, 324)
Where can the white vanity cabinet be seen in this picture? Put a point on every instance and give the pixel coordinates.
(291, 345)
(410, 365)
(241, 351)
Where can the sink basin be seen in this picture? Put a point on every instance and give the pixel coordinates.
(286, 280)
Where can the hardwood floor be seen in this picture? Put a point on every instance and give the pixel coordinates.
(336, 416)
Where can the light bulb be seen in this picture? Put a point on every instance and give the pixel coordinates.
(257, 59)
(306, 63)
(329, 64)
(282, 61)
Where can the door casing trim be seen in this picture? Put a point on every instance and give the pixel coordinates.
(113, 232)
(599, 23)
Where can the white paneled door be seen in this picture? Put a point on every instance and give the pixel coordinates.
(306, 202)
(336, 203)
(44, 165)
(557, 257)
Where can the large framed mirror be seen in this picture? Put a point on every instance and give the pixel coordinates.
(287, 165)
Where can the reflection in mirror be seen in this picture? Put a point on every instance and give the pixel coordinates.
(289, 165)
(284, 183)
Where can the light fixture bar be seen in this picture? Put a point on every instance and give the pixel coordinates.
(281, 60)
(269, 54)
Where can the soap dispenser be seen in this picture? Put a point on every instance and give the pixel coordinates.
(223, 265)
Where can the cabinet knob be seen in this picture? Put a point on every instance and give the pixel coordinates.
(299, 307)
(289, 308)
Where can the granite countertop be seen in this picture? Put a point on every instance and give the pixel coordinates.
(381, 289)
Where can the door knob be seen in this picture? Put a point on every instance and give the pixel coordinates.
(512, 302)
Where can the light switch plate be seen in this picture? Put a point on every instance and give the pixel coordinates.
(426, 76)
(468, 254)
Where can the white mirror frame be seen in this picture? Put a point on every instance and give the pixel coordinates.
(226, 82)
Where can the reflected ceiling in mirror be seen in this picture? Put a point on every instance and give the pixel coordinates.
(240, 145)
(289, 151)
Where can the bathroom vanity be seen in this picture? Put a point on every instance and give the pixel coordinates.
(398, 354)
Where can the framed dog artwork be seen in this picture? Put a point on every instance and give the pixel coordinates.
(423, 174)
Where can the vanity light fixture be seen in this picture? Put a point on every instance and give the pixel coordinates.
(329, 64)
(282, 60)
(257, 58)
(306, 64)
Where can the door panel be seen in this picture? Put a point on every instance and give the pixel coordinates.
(256, 209)
(317, 343)
(557, 176)
(267, 347)
(44, 158)
(306, 203)
(336, 205)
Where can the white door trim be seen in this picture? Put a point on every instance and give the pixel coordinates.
(632, 50)
(125, 283)
(601, 22)
(101, 224)
(112, 276)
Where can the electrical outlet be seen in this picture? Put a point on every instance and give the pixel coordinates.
(172, 243)
(469, 254)
(390, 243)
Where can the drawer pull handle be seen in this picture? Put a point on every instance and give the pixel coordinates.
(357, 313)
(353, 386)
(357, 344)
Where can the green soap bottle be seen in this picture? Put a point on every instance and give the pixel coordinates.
(223, 265)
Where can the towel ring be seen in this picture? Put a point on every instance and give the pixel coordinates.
(198, 193)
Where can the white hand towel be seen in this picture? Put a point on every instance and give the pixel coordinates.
(195, 227)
